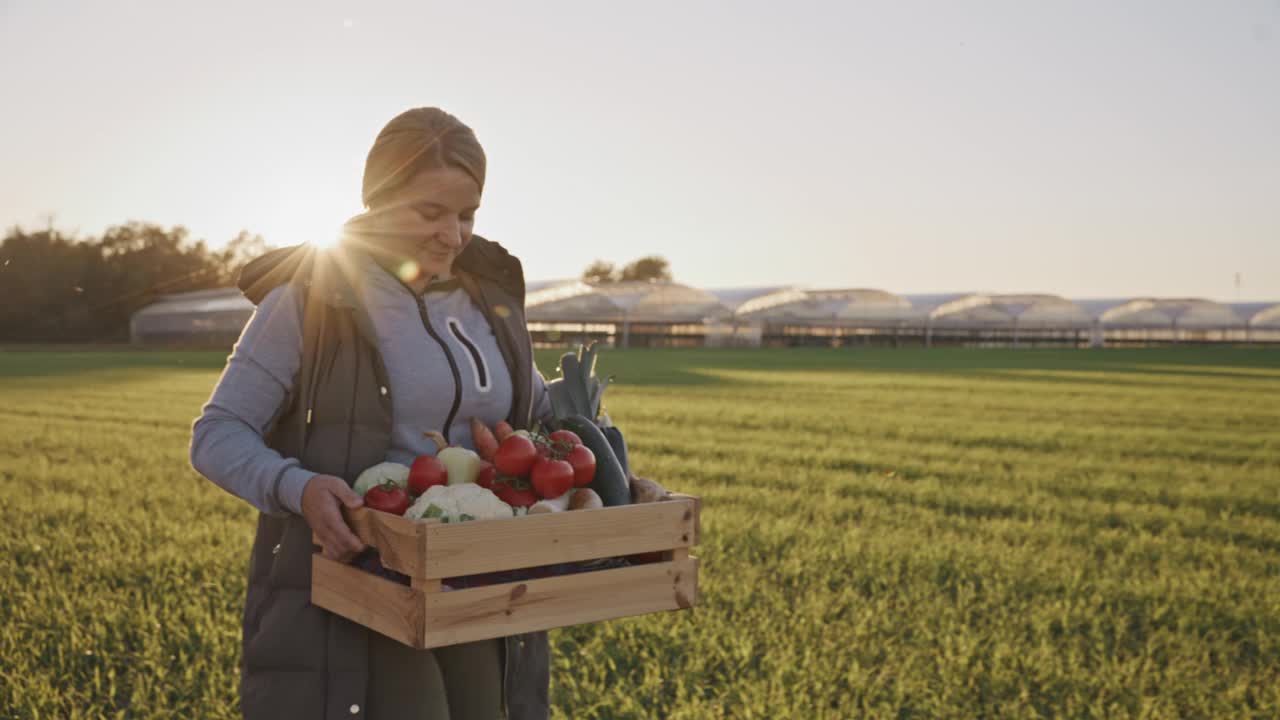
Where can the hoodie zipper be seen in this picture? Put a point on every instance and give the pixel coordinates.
(453, 366)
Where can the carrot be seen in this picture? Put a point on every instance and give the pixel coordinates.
(503, 429)
(486, 444)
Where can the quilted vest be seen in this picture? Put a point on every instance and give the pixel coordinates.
(300, 662)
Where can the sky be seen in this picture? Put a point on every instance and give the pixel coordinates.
(1091, 148)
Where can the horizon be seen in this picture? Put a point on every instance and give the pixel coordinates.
(1086, 151)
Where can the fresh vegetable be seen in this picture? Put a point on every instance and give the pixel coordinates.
(502, 430)
(426, 471)
(462, 464)
(568, 438)
(488, 473)
(578, 390)
(515, 491)
(515, 455)
(585, 499)
(610, 482)
(486, 444)
(583, 462)
(551, 478)
(644, 490)
(380, 473)
(387, 497)
(455, 503)
(556, 504)
(616, 441)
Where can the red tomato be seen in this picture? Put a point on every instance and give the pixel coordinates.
(487, 475)
(552, 478)
(514, 492)
(515, 455)
(387, 497)
(583, 462)
(568, 438)
(426, 471)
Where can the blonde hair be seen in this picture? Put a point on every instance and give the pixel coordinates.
(416, 140)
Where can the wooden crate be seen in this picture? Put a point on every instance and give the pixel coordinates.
(425, 615)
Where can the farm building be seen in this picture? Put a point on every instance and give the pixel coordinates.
(795, 316)
(1170, 320)
(1264, 325)
(202, 317)
(633, 314)
(1009, 318)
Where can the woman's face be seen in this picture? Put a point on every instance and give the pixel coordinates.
(424, 225)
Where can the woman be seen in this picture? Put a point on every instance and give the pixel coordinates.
(412, 323)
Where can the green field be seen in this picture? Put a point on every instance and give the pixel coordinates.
(910, 533)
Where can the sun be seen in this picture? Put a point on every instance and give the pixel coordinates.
(324, 241)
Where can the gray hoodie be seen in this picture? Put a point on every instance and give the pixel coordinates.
(439, 351)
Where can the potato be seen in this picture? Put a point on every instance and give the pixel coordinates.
(585, 499)
(644, 490)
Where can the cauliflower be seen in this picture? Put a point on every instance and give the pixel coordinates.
(455, 503)
(380, 473)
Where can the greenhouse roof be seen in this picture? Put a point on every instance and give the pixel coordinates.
(732, 298)
(536, 285)
(1095, 307)
(1268, 317)
(927, 303)
(1168, 312)
(1007, 309)
(199, 301)
(635, 301)
(828, 306)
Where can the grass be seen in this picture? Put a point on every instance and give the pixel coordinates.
(910, 533)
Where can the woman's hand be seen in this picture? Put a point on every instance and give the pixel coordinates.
(322, 501)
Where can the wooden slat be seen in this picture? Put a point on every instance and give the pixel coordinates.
(401, 542)
(489, 545)
(487, 612)
(425, 585)
(389, 608)
(697, 514)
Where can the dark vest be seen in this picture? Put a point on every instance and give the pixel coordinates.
(300, 661)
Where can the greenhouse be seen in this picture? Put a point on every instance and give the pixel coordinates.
(1150, 313)
(203, 317)
(1263, 323)
(1267, 319)
(855, 307)
(1012, 311)
(636, 313)
(1171, 320)
(796, 316)
(1000, 318)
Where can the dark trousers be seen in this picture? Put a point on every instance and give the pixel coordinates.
(458, 682)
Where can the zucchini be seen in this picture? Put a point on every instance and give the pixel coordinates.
(610, 482)
(614, 436)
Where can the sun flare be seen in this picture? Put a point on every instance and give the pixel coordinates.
(324, 241)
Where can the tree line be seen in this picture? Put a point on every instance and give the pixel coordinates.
(56, 287)
(650, 268)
